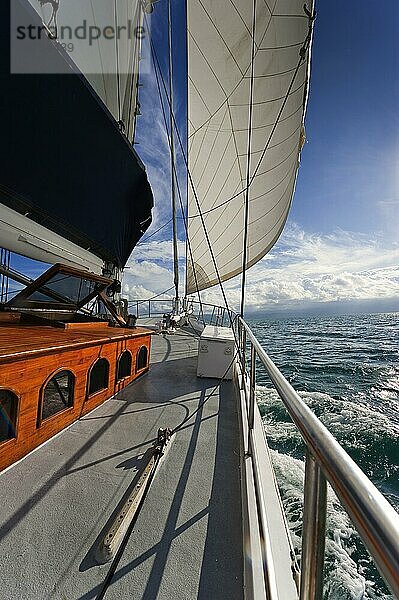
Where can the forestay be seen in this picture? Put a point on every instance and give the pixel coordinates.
(220, 149)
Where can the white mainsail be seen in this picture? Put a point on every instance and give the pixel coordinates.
(23, 236)
(87, 30)
(220, 50)
(66, 162)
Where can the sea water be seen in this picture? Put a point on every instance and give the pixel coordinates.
(346, 369)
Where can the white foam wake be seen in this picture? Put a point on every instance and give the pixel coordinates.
(350, 574)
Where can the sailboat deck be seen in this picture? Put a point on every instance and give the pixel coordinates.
(187, 541)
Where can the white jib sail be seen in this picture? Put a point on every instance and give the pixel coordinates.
(220, 51)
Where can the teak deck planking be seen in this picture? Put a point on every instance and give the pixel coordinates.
(31, 355)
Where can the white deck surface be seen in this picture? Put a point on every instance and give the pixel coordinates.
(187, 541)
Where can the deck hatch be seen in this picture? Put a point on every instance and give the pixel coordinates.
(61, 287)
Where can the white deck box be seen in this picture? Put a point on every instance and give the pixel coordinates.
(216, 352)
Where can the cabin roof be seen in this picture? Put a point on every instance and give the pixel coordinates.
(19, 341)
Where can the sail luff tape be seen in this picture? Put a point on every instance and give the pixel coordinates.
(115, 534)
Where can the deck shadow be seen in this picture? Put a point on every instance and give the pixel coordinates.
(161, 557)
(179, 373)
(221, 567)
(161, 549)
(221, 570)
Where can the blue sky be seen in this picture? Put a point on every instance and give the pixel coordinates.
(350, 163)
(340, 244)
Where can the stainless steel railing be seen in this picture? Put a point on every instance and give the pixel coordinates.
(208, 314)
(374, 518)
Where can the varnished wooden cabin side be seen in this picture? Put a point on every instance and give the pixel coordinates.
(26, 377)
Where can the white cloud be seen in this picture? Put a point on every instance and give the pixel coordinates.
(302, 269)
(308, 268)
(157, 250)
(153, 147)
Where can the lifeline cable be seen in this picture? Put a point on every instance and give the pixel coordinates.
(144, 300)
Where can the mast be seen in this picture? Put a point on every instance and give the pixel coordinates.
(172, 161)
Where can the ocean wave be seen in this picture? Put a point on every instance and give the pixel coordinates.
(370, 437)
(372, 440)
(349, 573)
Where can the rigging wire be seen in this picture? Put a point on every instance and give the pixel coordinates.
(249, 147)
(147, 237)
(156, 69)
(237, 343)
(155, 57)
(172, 160)
(152, 297)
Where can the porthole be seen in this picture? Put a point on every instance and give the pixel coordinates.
(8, 415)
(98, 376)
(124, 365)
(57, 394)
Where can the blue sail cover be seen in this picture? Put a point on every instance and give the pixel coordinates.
(64, 163)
